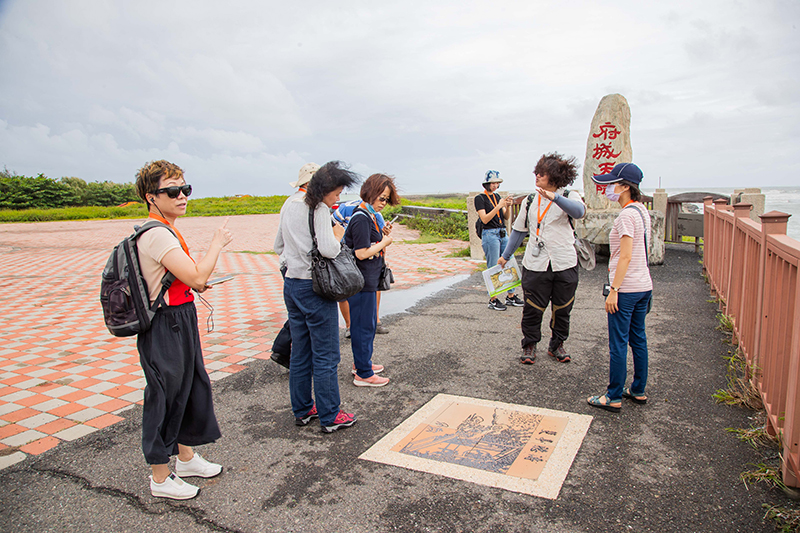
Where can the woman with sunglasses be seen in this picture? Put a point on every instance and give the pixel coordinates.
(631, 288)
(178, 409)
(368, 242)
(313, 320)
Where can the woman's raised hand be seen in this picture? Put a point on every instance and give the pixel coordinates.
(223, 235)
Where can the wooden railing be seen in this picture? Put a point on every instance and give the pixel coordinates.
(753, 270)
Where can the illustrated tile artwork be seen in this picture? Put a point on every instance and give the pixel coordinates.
(514, 447)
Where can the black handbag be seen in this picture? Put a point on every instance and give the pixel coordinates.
(386, 279)
(334, 279)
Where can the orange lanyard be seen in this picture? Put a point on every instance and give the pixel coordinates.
(363, 206)
(493, 202)
(539, 215)
(177, 233)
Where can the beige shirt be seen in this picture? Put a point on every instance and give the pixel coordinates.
(555, 232)
(153, 246)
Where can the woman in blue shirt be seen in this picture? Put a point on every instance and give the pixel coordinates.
(368, 242)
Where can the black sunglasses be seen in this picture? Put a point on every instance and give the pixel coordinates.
(174, 191)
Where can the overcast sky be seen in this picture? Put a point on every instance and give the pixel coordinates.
(242, 93)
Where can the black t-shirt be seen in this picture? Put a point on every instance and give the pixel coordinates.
(482, 201)
(362, 233)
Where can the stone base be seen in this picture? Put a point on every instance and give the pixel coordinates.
(597, 224)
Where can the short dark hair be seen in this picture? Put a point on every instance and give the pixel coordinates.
(374, 187)
(327, 179)
(149, 177)
(636, 194)
(560, 170)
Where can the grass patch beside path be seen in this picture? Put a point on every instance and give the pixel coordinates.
(201, 207)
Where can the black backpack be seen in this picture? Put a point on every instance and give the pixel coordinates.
(123, 291)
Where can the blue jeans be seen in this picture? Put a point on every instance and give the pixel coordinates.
(363, 321)
(626, 326)
(314, 323)
(493, 245)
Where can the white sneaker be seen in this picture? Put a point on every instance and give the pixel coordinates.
(197, 467)
(173, 487)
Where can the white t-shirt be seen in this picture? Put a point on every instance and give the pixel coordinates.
(629, 223)
(153, 246)
(554, 231)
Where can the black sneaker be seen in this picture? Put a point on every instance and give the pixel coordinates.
(528, 355)
(559, 353)
(495, 304)
(514, 301)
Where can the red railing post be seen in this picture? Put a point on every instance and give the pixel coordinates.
(708, 239)
(733, 285)
(791, 440)
(772, 223)
(720, 249)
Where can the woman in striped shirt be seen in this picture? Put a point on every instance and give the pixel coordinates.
(631, 288)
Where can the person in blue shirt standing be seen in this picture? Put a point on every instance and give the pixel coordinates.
(342, 216)
(368, 242)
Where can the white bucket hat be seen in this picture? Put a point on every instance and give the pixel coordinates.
(307, 172)
(492, 176)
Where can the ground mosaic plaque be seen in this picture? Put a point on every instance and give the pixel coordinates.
(514, 447)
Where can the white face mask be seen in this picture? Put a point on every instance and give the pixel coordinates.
(610, 194)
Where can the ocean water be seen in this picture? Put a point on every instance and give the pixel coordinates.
(783, 199)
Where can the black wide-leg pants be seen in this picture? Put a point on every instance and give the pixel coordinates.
(178, 408)
(541, 289)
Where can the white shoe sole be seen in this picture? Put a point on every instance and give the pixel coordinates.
(197, 474)
(358, 383)
(173, 496)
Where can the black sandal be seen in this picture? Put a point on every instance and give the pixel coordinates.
(626, 393)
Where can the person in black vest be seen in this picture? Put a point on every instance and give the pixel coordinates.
(493, 212)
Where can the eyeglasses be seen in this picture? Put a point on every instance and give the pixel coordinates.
(383, 199)
(175, 190)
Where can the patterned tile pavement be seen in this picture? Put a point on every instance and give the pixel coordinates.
(63, 376)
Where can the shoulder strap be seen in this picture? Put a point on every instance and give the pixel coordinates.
(314, 253)
(168, 277)
(528, 203)
(644, 230)
(569, 218)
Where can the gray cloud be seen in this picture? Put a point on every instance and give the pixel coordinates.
(433, 93)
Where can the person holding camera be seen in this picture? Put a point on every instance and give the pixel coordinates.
(493, 211)
(550, 265)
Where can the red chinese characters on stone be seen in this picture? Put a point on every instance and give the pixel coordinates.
(605, 150)
(607, 131)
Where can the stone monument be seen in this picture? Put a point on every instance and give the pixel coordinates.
(609, 143)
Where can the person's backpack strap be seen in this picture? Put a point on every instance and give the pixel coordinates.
(644, 231)
(528, 203)
(168, 277)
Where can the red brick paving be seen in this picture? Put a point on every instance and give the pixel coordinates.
(56, 357)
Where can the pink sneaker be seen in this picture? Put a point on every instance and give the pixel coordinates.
(372, 381)
(304, 420)
(342, 420)
(375, 368)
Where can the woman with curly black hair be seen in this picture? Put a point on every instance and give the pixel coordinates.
(313, 320)
(550, 264)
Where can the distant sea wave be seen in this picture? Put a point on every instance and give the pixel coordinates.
(784, 199)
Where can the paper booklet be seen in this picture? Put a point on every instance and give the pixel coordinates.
(501, 279)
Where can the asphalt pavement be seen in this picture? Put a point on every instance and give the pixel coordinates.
(668, 466)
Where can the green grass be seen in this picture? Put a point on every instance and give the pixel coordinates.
(201, 207)
(425, 238)
(466, 252)
(440, 201)
(72, 213)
